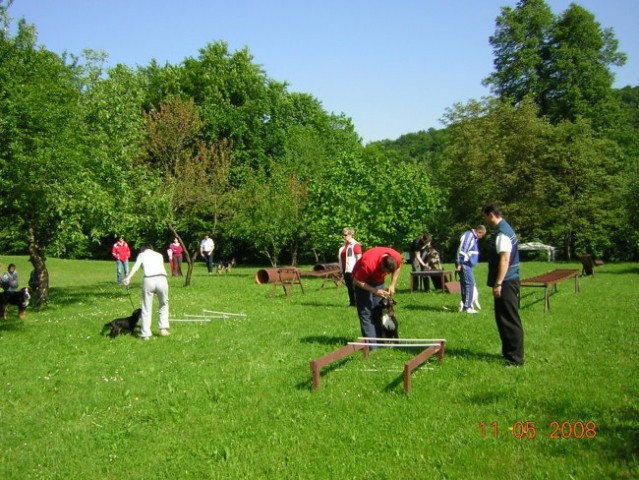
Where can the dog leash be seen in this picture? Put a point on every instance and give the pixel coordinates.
(129, 293)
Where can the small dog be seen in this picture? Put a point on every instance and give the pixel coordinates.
(123, 325)
(475, 303)
(384, 318)
(20, 299)
(225, 266)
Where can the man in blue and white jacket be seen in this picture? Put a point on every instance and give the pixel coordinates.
(467, 258)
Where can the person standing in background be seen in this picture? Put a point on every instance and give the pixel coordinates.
(121, 252)
(176, 254)
(503, 278)
(207, 246)
(348, 255)
(467, 258)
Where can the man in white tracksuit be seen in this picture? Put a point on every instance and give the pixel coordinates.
(467, 258)
(154, 282)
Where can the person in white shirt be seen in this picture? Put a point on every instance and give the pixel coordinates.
(154, 282)
(207, 245)
(347, 256)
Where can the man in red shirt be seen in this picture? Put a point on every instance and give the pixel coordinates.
(121, 253)
(368, 277)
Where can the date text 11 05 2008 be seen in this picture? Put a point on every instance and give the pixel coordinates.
(529, 430)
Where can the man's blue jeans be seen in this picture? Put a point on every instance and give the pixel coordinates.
(119, 266)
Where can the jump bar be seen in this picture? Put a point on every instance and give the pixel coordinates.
(372, 344)
(352, 347)
(395, 340)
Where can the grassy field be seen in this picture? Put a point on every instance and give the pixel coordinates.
(232, 398)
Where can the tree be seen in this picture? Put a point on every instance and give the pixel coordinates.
(387, 201)
(194, 174)
(49, 193)
(519, 47)
(494, 154)
(560, 183)
(562, 63)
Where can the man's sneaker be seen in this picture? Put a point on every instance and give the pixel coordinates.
(470, 310)
(145, 338)
(164, 333)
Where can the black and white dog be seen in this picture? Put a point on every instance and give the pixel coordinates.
(19, 298)
(384, 318)
(123, 325)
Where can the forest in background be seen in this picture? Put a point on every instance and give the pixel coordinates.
(213, 145)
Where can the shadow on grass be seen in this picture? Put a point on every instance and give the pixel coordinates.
(64, 296)
(533, 301)
(467, 354)
(618, 430)
(431, 308)
(328, 303)
(308, 384)
(627, 270)
(325, 340)
(12, 324)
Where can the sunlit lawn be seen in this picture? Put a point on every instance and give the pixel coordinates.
(232, 398)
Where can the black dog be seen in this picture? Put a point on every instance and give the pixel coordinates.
(123, 325)
(384, 318)
(20, 299)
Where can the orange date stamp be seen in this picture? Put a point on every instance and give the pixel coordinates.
(529, 430)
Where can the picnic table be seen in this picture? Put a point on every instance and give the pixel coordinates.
(443, 275)
(550, 280)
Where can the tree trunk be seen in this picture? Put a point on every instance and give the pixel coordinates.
(37, 259)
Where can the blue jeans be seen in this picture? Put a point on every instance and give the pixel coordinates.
(467, 284)
(208, 258)
(119, 266)
(366, 302)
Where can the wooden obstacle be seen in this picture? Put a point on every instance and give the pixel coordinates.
(551, 279)
(430, 346)
(328, 271)
(442, 277)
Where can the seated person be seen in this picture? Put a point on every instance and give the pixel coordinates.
(9, 279)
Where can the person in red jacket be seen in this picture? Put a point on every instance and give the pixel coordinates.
(121, 252)
(369, 274)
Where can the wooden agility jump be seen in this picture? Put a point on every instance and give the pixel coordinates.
(431, 347)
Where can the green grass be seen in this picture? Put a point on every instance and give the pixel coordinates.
(232, 399)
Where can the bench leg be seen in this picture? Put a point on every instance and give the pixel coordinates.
(546, 300)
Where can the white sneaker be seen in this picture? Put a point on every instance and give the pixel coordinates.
(145, 338)
(470, 310)
(164, 333)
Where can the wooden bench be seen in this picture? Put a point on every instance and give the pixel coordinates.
(443, 275)
(551, 279)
